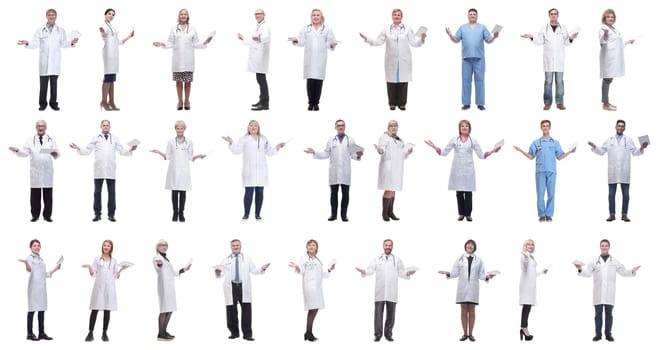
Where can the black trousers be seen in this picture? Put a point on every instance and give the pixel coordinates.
(397, 94)
(314, 89)
(334, 199)
(30, 322)
(98, 187)
(264, 97)
(391, 318)
(526, 310)
(43, 90)
(35, 201)
(464, 202)
(245, 310)
(178, 201)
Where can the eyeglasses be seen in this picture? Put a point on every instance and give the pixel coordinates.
(259, 13)
(340, 125)
(163, 245)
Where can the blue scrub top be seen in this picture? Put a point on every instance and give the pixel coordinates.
(473, 45)
(545, 151)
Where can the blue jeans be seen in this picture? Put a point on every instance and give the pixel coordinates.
(560, 87)
(608, 319)
(545, 181)
(612, 198)
(473, 67)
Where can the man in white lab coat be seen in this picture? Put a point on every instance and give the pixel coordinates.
(105, 146)
(340, 149)
(42, 149)
(259, 57)
(553, 37)
(238, 289)
(603, 269)
(387, 268)
(50, 39)
(620, 148)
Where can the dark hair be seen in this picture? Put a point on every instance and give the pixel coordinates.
(545, 121)
(621, 121)
(313, 241)
(465, 121)
(108, 10)
(51, 10)
(472, 242)
(388, 240)
(235, 240)
(605, 241)
(34, 241)
(553, 9)
(472, 10)
(339, 120)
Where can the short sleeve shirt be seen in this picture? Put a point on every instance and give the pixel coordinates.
(473, 39)
(545, 151)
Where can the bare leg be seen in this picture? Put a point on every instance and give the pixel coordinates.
(188, 85)
(464, 311)
(111, 97)
(471, 310)
(105, 90)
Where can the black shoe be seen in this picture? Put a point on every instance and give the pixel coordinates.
(377, 338)
(464, 108)
(169, 335)
(461, 217)
(89, 337)
(468, 218)
(260, 108)
(233, 336)
(310, 337)
(175, 217)
(344, 218)
(402, 108)
(34, 219)
(44, 336)
(179, 108)
(464, 337)
(96, 218)
(104, 337)
(542, 219)
(32, 337)
(310, 108)
(248, 338)
(597, 338)
(608, 337)
(481, 108)
(331, 218)
(245, 217)
(164, 337)
(257, 217)
(48, 219)
(181, 218)
(256, 104)
(611, 217)
(315, 108)
(111, 218)
(392, 108)
(524, 336)
(187, 107)
(42, 108)
(54, 108)
(625, 218)
(393, 217)
(389, 338)
(471, 338)
(548, 219)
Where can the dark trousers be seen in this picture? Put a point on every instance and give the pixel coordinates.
(106, 320)
(43, 90)
(608, 319)
(464, 202)
(391, 318)
(606, 83)
(264, 97)
(30, 322)
(247, 200)
(314, 89)
(98, 186)
(526, 310)
(245, 310)
(397, 93)
(35, 201)
(612, 198)
(334, 199)
(178, 201)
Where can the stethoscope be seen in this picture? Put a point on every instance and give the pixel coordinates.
(460, 143)
(34, 139)
(184, 144)
(310, 262)
(383, 258)
(110, 27)
(187, 28)
(102, 137)
(401, 28)
(310, 28)
(336, 139)
(45, 28)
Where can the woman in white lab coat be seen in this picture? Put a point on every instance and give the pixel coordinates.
(313, 272)
(184, 40)
(469, 269)
(316, 38)
(110, 60)
(254, 147)
(166, 291)
(612, 55)
(393, 152)
(397, 57)
(37, 299)
(105, 270)
(180, 153)
(527, 284)
(463, 172)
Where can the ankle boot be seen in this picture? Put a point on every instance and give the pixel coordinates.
(391, 210)
(385, 208)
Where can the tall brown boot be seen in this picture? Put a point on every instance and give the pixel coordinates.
(111, 97)
(105, 89)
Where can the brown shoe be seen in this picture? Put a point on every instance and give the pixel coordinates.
(609, 107)
(560, 106)
(546, 107)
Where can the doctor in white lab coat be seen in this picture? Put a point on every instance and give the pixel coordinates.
(166, 290)
(603, 270)
(237, 287)
(553, 37)
(254, 147)
(393, 152)
(180, 153)
(183, 39)
(339, 150)
(313, 272)
(111, 42)
(105, 146)
(316, 38)
(387, 268)
(620, 148)
(259, 57)
(612, 55)
(49, 39)
(527, 285)
(37, 300)
(469, 270)
(104, 270)
(397, 57)
(41, 170)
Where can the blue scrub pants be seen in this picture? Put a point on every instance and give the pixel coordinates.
(545, 182)
(473, 67)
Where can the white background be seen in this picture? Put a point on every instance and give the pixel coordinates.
(296, 202)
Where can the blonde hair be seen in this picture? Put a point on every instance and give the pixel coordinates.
(607, 12)
(322, 17)
(180, 122)
(397, 10)
(187, 12)
(161, 242)
(527, 242)
(257, 125)
(111, 247)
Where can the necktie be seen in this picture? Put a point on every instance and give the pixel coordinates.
(236, 275)
(106, 136)
(41, 140)
(469, 260)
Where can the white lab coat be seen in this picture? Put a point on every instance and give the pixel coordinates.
(37, 299)
(184, 43)
(397, 54)
(313, 272)
(463, 172)
(527, 280)
(468, 285)
(604, 278)
(255, 166)
(50, 44)
(553, 47)
(110, 49)
(387, 270)
(612, 53)
(390, 172)
(245, 267)
(105, 159)
(178, 171)
(104, 293)
(259, 51)
(339, 155)
(316, 43)
(41, 164)
(619, 162)
(166, 290)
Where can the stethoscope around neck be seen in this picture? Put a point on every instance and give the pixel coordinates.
(310, 28)
(187, 28)
(184, 144)
(34, 139)
(391, 27)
